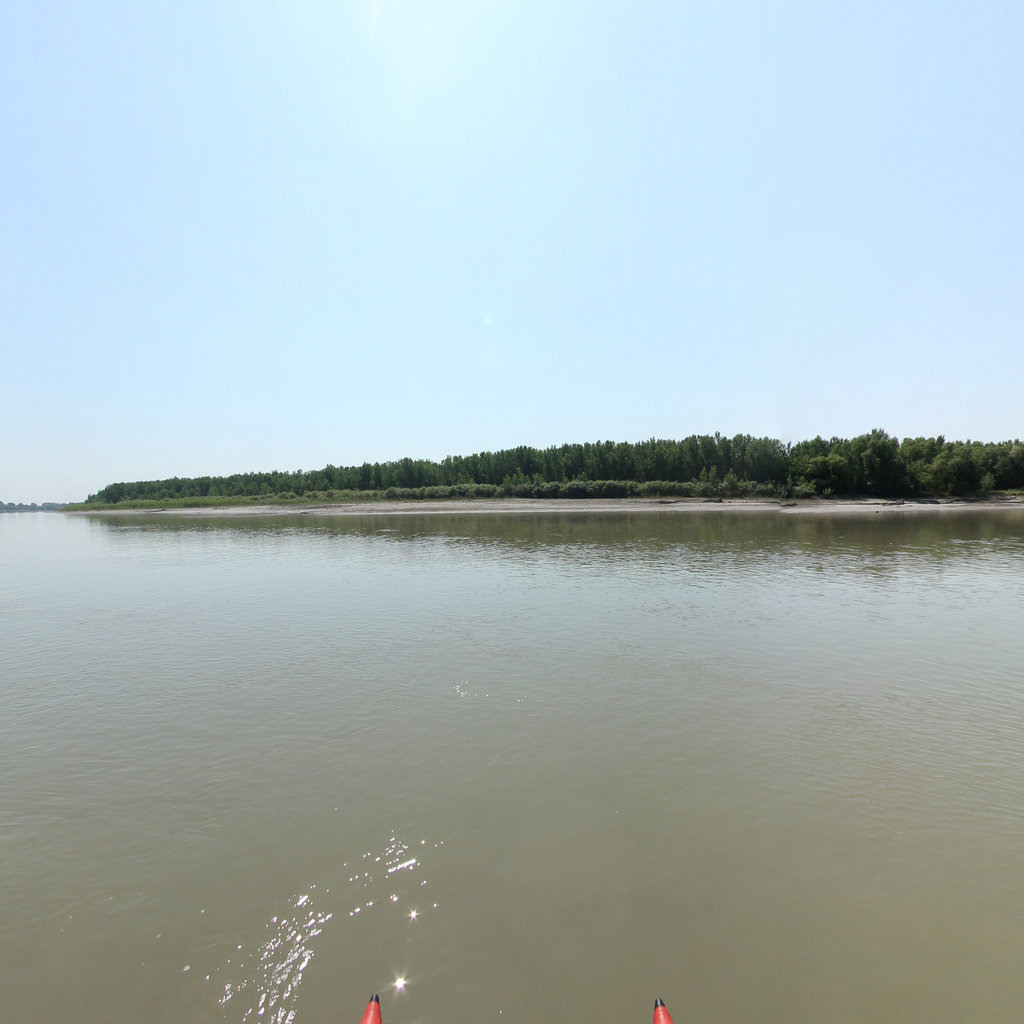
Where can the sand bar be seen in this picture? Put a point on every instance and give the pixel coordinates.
(526, 506)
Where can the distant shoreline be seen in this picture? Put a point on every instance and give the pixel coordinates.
(525, 506)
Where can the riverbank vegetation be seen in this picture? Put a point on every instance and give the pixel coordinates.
(871, 465)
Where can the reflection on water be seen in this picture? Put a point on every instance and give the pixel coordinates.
(763, 765)
(862, 530)
(279, 963)
(271, 976)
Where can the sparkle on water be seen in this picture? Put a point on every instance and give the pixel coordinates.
(274, 973)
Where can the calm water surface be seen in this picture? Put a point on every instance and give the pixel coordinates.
(766, 766)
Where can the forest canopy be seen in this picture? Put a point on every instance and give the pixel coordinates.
(873, 465)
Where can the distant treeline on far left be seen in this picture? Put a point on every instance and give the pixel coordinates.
(20, 506)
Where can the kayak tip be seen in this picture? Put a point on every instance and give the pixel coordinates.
(658, 1002)
(371, 1015)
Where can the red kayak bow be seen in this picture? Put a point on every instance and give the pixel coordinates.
(661, 1013)
(371, 1015)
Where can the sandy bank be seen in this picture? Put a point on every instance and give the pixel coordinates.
(527, 506)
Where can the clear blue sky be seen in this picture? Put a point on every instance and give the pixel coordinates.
(251, 235)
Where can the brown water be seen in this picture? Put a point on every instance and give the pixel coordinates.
(766, 766)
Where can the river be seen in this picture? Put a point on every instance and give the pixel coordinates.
(503, 768)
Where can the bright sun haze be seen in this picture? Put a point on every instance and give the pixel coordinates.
(255, 237)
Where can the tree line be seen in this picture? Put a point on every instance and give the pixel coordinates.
(873, 464)
(21, 506)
